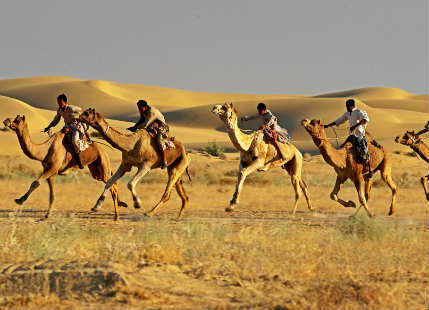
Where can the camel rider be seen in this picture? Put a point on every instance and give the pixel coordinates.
(424, 130)
(73, 128)
(358, 120)
(270, 127)
(153, 121)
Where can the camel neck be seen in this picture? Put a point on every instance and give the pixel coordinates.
(31, 149)
(334, 157)
(124, 143)
(422, 150)
(240, 140)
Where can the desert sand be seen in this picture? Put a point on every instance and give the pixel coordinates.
(257, 257)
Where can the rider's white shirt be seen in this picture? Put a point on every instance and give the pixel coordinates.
(354, 117)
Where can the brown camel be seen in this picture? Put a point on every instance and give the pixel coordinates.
(418, 146)
(346, 166)
(139, 150)
(266, 156)
(56, 159)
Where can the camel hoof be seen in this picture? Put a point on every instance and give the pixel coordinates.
(94, 209)
(229, 209)
(122, 204)
(137, 205)
(19, 201)
(148, 214)
(390, 212)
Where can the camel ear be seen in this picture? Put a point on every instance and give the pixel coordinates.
(318, 121)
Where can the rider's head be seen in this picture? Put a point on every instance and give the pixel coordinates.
(142, 105)
(62, 101)
(262, 108)
(350, 105)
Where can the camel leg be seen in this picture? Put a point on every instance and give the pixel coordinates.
(51, 195)
(242, 174)
(304, 188)
(294, 170)
(424, 181)
(115, 177)
(295, 179)
(361, 195)
(386, 175)
(174, 174)
(141, 172)
(334, 194)
(47, 173)
(115, 198)
(181, 192)
(368, 186)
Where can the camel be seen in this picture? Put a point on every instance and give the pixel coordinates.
(267, 156)
(57, 160)
(418, 146)
(140, 150)
(344, 162)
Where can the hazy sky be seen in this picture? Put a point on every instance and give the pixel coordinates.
(283, 46)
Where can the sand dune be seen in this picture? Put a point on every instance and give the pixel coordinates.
(391, 110)
(370, 93)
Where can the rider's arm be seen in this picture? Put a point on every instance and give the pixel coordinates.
(341, 120)
(54, 122)
(249, 117)
(364, 119)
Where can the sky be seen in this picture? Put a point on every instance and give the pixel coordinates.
(284, 47)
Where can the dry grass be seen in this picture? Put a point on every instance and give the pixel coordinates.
(258, 257)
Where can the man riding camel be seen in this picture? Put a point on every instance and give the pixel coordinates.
(358, 120)
(73, 128)
(270, 127)
(153, 121)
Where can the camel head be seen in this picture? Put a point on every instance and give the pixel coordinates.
(227, 113)
(91, 117)
(409, 138)
(315, 128)
(17, 125)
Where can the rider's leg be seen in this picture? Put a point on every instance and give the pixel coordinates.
(75, 142)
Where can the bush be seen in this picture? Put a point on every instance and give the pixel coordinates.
(214, 149)
(362, 227)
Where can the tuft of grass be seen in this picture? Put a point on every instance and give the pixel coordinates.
(362, 227)
(214, 149)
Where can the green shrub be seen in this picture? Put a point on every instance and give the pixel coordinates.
(214, 149)
(362, 227)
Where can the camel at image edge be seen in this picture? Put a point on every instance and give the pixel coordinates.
(410, 139)
(345, 164)
(140, 150)
(57, 160)
(267, 156)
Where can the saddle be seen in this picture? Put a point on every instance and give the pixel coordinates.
(272, 136)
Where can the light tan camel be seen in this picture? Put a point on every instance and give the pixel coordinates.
(418, 146)
(140, 150)
(56, 159)
(345, 165)
(266, 156)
